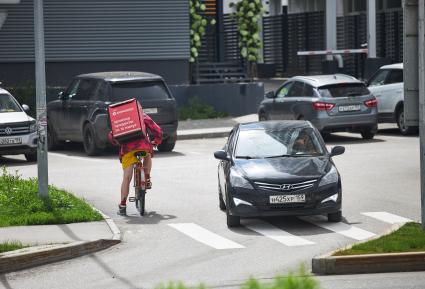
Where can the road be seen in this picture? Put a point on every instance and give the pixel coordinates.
(184, 235)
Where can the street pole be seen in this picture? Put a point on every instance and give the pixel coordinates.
(371, 28)
(40, 80)
(421, 67)
(331, 27)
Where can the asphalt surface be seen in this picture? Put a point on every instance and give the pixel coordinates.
(184, 235)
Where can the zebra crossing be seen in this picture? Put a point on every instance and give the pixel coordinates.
(268, 230)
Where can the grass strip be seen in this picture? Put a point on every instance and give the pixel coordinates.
(20, 204)
(10, 246)
(409, 238)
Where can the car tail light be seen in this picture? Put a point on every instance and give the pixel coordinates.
(323, 105)
(371, 103)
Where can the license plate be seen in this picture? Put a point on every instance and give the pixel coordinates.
(150, 110)
(10, 140)
(285, 199)
(345, 108)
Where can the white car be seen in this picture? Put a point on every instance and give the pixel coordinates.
(387, 86)
(18, 131)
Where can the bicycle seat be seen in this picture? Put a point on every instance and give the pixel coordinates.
(141, 154)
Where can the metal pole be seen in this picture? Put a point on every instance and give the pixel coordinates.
(371, 28)
(40, 79)
(421, 66)
(330, 26)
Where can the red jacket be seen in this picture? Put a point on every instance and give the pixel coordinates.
(143, 143)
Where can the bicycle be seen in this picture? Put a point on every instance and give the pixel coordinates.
(139, 182)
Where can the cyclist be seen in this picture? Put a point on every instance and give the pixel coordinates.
(128, 159)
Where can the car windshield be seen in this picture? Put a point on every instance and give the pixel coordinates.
(344, 90)
(147, 90)
(8, 104)
(290, 142)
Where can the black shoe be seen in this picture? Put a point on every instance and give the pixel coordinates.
(148, 184)
(122, 210)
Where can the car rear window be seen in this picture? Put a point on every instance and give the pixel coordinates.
(8, 104)
(344, 90)
(147, 90)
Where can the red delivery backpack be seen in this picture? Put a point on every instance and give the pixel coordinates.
(126, 120)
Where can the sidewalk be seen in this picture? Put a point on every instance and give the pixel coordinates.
(52, 243)
(210, 128)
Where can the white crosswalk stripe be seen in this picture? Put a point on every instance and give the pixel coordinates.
(387, 217)
(206, 237)
(342, 228)
(275, 233)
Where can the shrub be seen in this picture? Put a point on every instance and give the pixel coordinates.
(197, 109)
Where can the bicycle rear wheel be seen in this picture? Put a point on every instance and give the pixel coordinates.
(141, 208)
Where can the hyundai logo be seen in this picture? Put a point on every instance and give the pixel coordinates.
(285, 187)
(8, 130)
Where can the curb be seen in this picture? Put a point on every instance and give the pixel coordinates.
(369, 263)
(216, 134)
(41, 255)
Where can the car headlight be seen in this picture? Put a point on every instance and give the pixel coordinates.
(330, 177)
(33, 126)
(237, 180)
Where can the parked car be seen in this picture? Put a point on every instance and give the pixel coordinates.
(278, 168)
(80, 113)
(18, 131)
(387, 86)
(330, 102)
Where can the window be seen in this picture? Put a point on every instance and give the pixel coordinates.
(8, 104)
(308, 90)
(395, 76)
(86, 89)
(296, 89)
(284, 90)
(286, 141)
(72, 89)
(142, 91)
(379, 78)
(344, 90)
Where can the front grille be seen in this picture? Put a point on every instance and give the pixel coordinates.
(287, 187)
(10, 131)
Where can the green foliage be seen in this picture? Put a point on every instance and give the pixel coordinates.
(198, 25)
(196, 109)
(10, 246)
(25, 95)
(409, 238)
(247, 14)
(21, 205)
(299, 280)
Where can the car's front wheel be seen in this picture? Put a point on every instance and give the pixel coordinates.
(262, 116)
(232, 221)
(52, 139)
(89, 141)
(401, 123)
(31, 157)
(335, 217)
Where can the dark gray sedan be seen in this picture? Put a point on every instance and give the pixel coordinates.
(332, 103)
(278, 169)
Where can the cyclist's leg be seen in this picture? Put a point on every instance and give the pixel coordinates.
(125, 185)
(147, 166)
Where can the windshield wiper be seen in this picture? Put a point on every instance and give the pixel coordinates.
(244, 157)
(278, 156)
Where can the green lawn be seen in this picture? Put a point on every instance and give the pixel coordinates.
(20, 204)
(10, 246)
(409, 238)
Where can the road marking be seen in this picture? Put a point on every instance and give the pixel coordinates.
(342, 228)
(79, 158)
(387, 217)
(276, 233)
(206, 237)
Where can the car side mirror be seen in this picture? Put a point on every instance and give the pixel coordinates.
(221, 155)
(270, 94)
(338, 150)
(26, 108)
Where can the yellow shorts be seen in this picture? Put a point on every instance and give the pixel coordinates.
(129, 159)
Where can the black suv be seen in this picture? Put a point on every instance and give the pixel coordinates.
(80, 113)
